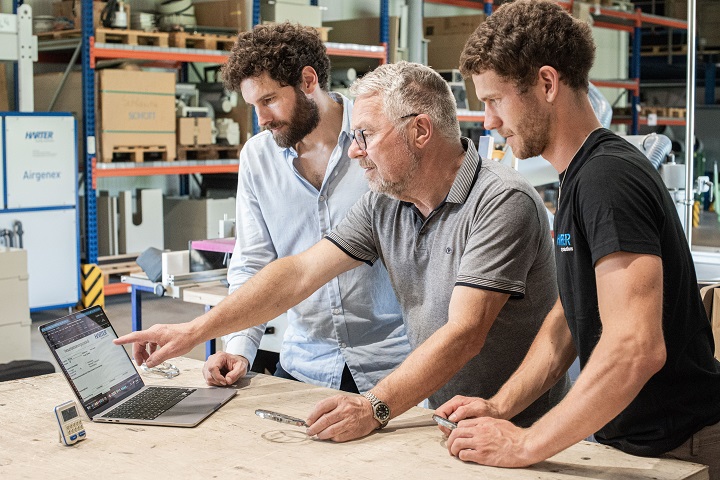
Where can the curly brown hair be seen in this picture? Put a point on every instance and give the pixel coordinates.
(522, 36)
(282, 50)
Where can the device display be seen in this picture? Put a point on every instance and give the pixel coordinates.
(282, 418)
(444, 422)
(71, 429)
(82, 345)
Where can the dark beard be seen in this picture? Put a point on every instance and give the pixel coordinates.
(305, 118)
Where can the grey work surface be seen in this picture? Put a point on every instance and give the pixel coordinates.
(235, 443)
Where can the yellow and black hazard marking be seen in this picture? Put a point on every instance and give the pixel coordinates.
(92, 286)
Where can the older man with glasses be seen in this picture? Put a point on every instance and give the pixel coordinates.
(466, 243)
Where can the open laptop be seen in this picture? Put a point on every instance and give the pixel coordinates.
(106, 383)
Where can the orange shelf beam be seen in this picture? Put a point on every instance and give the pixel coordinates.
(142, 171)
(341, 52)
(471, 118)
(633, 85)
(636, 16)
(480, 5)
(174, 55)
(158, 55)
(625, 120)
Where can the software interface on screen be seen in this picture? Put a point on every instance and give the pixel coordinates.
(101, 371)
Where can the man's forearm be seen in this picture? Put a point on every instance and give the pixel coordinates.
(472, 313)
(630, 351)
(612, 378)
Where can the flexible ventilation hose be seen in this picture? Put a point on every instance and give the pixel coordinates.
(657, 148)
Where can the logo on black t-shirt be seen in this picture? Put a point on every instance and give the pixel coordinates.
(563, 241)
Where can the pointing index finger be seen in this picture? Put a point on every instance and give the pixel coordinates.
(133, 337)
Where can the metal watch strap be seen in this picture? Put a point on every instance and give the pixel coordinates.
(375, 403)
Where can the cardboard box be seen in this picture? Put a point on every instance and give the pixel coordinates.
(309, 15)
(4, 92)
(676, 9)
(708, 16)
(194, 131)
(72, 10)
(222, 13)
(447, 37)
(463, 24)
(69, 100)
(363, 31)
(136, 109)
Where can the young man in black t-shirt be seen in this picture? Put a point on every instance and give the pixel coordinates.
(629, 301)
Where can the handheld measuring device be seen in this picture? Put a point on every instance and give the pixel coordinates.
(444, 422)
(70, 426)
(280, 417)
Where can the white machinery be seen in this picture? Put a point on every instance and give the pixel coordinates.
(457, 86)
(18, 44)
(207, 100)
(38, 202)
(658, 150)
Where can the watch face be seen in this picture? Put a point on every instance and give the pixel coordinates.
(382, 411)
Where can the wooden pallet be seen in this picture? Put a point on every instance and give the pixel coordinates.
(666, 112)
(140, 154)
(663, 50)
(208, 152)
(676, 112)
(59, 34)
(131, 37)
(204, 41)
(119, 269)
(117, 265)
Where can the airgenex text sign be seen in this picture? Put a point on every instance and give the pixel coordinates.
(40, 161)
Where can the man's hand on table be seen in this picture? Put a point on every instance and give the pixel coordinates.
(222, 369)
(341, 418)
(159, 343)
(460, 407)
(491, 441)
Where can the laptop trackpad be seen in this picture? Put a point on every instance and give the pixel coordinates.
(196, 406)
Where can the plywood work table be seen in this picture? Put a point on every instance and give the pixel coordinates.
(234, 443)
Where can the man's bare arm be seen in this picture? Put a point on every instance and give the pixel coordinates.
(630, 351)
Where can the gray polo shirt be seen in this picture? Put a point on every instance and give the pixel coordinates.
(491, 232)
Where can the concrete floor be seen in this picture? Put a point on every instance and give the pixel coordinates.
(118, 308)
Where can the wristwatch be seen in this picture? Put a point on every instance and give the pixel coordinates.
(381, 411)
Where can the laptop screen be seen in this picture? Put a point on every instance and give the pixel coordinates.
(100, 372)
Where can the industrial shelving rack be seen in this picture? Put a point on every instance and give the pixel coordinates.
(604, 17)
(610, 18)
(90, 52)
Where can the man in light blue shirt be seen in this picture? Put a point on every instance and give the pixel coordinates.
(296, 183)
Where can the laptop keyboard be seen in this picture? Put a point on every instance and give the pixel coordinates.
(150, 403)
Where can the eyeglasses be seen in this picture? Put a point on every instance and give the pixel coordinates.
(358, 134)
